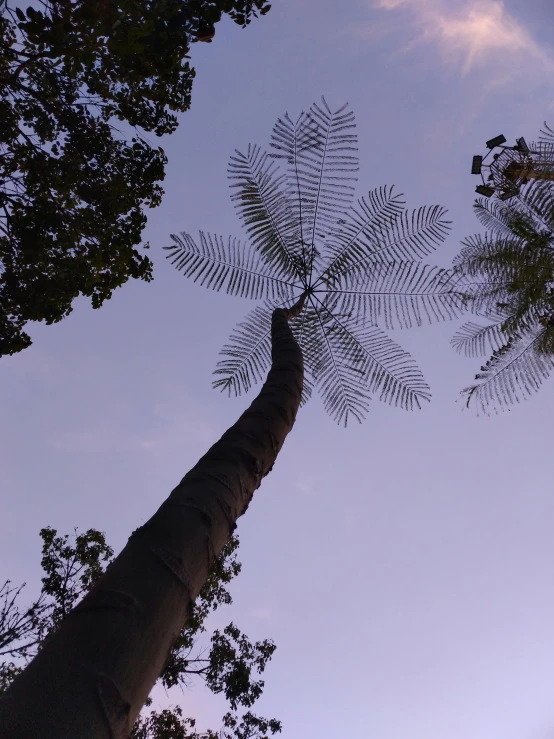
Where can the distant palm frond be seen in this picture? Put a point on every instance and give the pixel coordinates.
(495, 215)
(475, 340)
(488, 256)
(358, 266)
(513, 373)
(535, 201)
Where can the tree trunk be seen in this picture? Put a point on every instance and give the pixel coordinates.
(94, 674)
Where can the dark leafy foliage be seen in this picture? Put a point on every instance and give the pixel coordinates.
(358, 265)
(233, 660)
(8, 672)
(166, 724)
(231, 665)
(72, 187)
(71, 568)
(249, 726)
(508, 276)
(170, 724)
(18, 629)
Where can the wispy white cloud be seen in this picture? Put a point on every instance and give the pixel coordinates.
(471, 33)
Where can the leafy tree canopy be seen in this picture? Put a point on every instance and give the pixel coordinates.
(231, 666)
(72, 187)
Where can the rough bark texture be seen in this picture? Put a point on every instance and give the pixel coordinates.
(94, 674)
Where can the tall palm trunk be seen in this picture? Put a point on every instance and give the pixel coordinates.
(93, 675)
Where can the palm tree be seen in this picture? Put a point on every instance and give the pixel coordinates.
(508, 276)
(358, 266)
(333, 261)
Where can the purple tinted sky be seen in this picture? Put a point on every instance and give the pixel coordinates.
(404, 567)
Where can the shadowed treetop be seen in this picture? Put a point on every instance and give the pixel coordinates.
(73, 187)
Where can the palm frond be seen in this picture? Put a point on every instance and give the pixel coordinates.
(416, 234)
(320, 148)
(545, 144)
(546, 135)
(474, 340)
(247, 353)
(494, 258)
(506, 271)
(337, 375)
(405, 237)
(536, 201)
(374, 361)
(328, 169)
(260, 199)
(401, 294)
(495, 215)
(229, 265)
(360, 230)
(512, 374)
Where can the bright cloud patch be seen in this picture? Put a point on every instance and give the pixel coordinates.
(471, 32)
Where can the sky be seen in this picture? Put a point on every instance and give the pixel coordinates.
(404, 566)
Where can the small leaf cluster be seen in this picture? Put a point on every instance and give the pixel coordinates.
(233, 660)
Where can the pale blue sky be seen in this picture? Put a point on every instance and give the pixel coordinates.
(404, 567)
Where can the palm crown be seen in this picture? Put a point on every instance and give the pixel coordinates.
(508, 273)
(357, 264)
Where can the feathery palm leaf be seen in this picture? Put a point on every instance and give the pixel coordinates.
(338, 375)
(475, 340)
(248, 353)
(265, 210)
(369, 352)
(513, 373)
(506, 221)
(507, 270)
(362, 230)
(494, 215)
(401, 294)
(320, 149)
(489, 256)
(399, 237)
(358, 266)
(232, 265)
